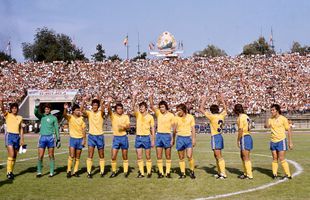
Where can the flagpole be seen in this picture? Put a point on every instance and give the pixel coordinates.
(127, 48)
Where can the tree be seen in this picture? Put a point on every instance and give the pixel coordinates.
(211, 51)
(115, 57)
(297, 48)
(259, 46)
(100, 54)
(49, 46)
(140, 57)
(6, 57)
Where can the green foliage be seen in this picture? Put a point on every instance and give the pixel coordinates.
(49, 46)
(140, 57)
(211, 51)
(115, 57)
(6, 57)
(100, 54)
(302, 50)
(259, 46)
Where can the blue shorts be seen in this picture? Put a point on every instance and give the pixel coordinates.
(163, 140)
(143, 142)
(76, 143)
(12, 139)
(184, 142)
(217, 142)
(96, 141)
(120, 142)
(246, 143)
(46, 141)
(279, 146)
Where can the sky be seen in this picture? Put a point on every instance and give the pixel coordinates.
(228, 24)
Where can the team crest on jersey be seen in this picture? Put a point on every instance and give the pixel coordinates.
(48, 120)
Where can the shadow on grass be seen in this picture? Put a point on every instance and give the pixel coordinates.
(234, 171)
(4, 182)
(265, 171)
(209, 170)
(25, 171)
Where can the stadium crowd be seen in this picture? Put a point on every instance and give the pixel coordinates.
(255, 81)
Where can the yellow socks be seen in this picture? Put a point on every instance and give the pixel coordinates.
(218, 167)
(182, 166)
(221, 164)
(286, 168)
(125, 166)
(141, 166)
(168, 166)
(160, 166)
(244, 168)
(101, 164)
(70, 161)
(248, 167)
(76, 165)
(89, 164)
(113, 165)
(191, 164)
(274, 166)
(9, 165)
(149, 166)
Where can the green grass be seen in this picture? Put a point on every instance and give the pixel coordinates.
(26, 186)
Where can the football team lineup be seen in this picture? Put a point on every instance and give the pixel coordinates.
(172, 129)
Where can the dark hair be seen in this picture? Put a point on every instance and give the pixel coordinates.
(14, 105)
(143, 104)
(277, 107)
(75, 106)
(47, 105)
(183, 107)
(163, 103)
(95, 101)
(214, 109)
(238, 109)
(118, 105)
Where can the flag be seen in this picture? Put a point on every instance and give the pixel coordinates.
(8, 47)
(126, 41)
(151, 46)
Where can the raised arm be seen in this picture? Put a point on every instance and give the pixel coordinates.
(133, 103)
(65, 113)
(102, 106)
(202, 104)
(83, 111)
(37, 112)
(151, 99)
(109, 105)
(223, 102)
(2, 108)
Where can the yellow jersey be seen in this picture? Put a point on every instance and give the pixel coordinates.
(13, 123)
(143, 123)
(95, 120)
(76, 126)
(243, 123)
(164, 121)
(119, 120)
(216, 122)
(184, 125)
(278, 127)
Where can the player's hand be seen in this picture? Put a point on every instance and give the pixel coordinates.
(290, 145)
(172, 143)
(194, 142)
(21, 143)
(66, 106)
(83, 142)
(110, 99)
(58, 144)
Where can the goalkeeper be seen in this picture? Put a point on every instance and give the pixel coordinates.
(49, 127)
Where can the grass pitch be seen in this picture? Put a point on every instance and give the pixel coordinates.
(27, 186)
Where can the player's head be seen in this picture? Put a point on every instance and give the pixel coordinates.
(163, 106)
(142, 107)
(238, 109)
(76, 110)
(214, 109)
(95, 104)
(275, 110)
(47, 108)
(14, 108)
(119, 108)
(181, 110)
